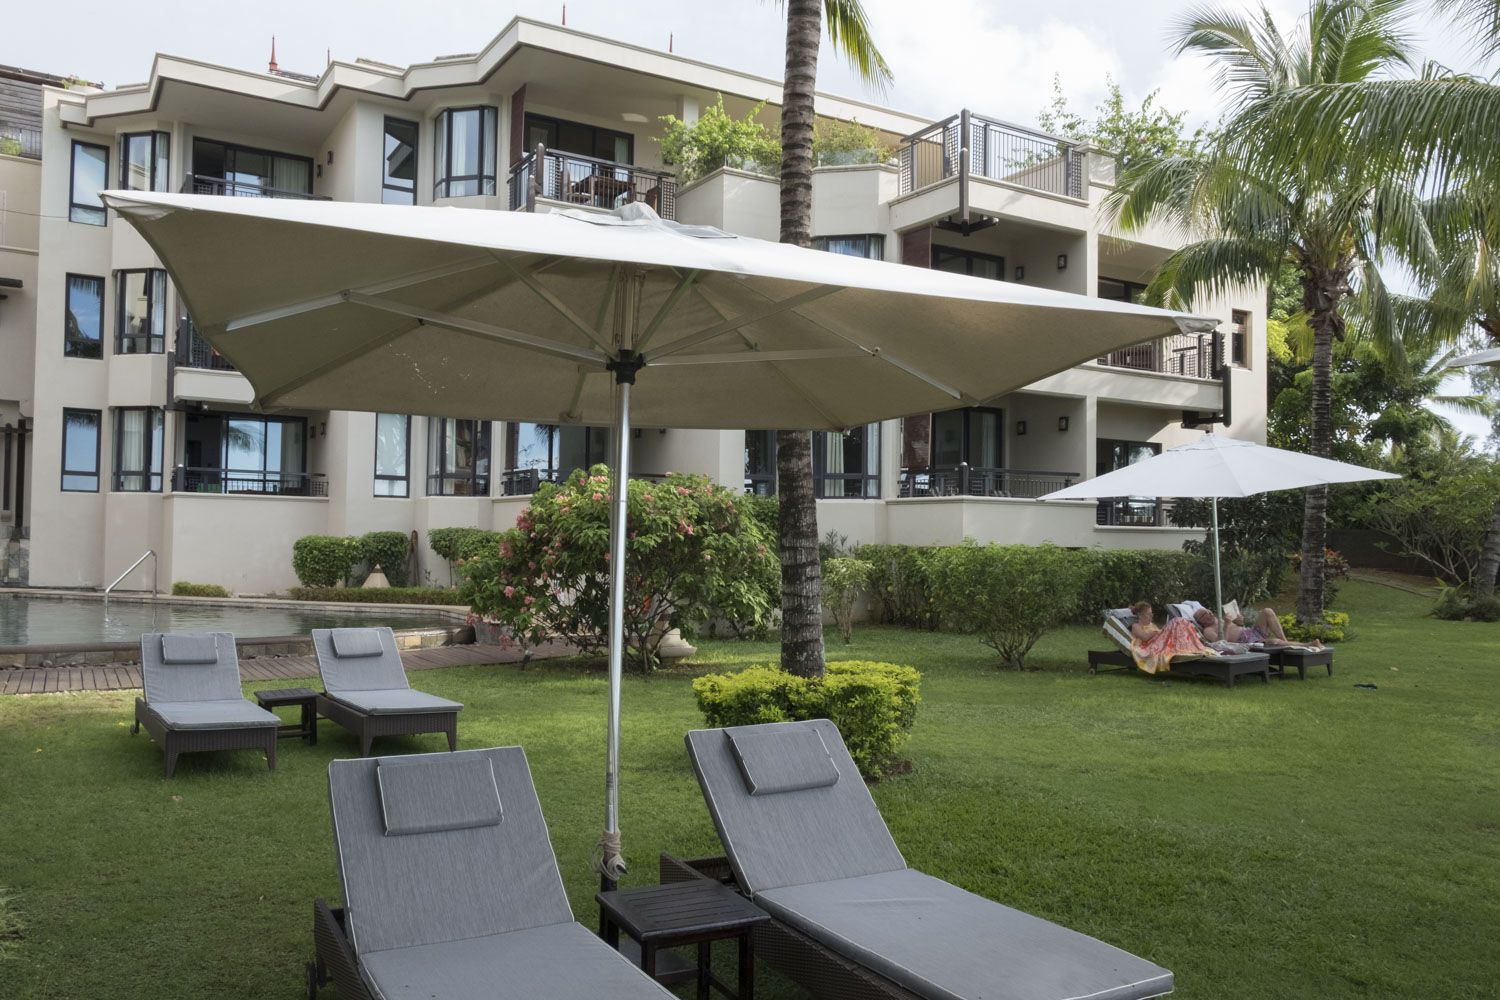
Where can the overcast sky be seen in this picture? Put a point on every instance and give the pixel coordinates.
(993, 57)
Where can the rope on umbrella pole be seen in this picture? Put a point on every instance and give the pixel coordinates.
(608, 861)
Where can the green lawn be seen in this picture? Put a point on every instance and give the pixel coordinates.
(1296, 840)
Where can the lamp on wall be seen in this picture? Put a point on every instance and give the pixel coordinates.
(1020, 428)
(1062, 423)
(1062, 262)
(1020, 272)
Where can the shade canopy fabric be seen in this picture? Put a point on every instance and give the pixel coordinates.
(1490, 357)
(1217, 466)
(515, 315)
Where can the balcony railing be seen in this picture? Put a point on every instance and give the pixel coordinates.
(524, 482)
(248, 482)
(965, 480)
(1193, 355)
(195, 352)
(1139, 512)
(969, 145)
(229, 187)
(21, 140)
(589, 182)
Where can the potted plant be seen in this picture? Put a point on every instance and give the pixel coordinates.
(716, 140)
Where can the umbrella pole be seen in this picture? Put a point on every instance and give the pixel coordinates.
(1218, 579)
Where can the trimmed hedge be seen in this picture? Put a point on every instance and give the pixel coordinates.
(324, 560)
(378, 595)
(182, 588)
(873, 704)
(1117, 578)
(900, 583)
(1010, 595)
(388, 550)
(454, 544)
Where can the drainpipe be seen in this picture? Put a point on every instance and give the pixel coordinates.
(20, 530)
(963, 171)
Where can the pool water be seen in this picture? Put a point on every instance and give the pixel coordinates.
(30, 620)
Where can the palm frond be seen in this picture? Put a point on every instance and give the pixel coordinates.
(849, 30)
(1214, 267)
(1479, 20)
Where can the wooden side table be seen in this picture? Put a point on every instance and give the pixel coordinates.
(680, 913)
(303, 698)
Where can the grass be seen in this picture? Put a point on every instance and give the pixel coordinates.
(1293, 840)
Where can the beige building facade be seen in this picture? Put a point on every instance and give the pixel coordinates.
(138, 437)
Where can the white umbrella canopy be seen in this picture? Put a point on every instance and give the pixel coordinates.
(619, 320)
(1490, 357)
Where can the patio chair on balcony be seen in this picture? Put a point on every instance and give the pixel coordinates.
(1225, 667)
(365, 689)
(451, 890)
(193, 701)
(806, 842)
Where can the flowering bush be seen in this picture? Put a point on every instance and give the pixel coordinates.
(692, 552)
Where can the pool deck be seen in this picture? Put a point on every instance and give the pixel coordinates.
(52, 680)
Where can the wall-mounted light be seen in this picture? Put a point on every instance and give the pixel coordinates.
(1062, 262)
(1020, 272)
(320, 169)
(1020, 428)
(330, 157)
(1062, 423)
(323, 428)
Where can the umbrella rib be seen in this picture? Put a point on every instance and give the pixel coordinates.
(807, 397)
(723, 313)
(558, 305)
(571, 413)
(734, 323)
(490, 331)
(684, 285)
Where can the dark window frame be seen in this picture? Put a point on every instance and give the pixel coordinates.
(1239, 337)
(65, 472)
(154, 455)
(1126, 511)
(193, 164)
(154, 183)
(67, 290)
(416, 146)
(965, 436)
(73, 203)
(405, 478)
(558, 123)
(156, 343)
(442, 182)
(969, 256)
(479, 483)
(1133, 289)
(522, 480)
(761, 483)
(869, 478)
(873, 241)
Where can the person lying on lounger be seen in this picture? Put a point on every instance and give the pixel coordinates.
(1266, 631)
(1153, 648)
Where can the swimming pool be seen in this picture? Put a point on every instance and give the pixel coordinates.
(39, 619)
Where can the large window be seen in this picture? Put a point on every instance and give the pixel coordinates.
(458, 457)
(548, 453)
(1120, 290)
(244, 453)
(90, 175)
(83, 322)
(1114, 454)
(871, 245)
(980, 265)
(145, 161)
(465, 152)
(137, 450)
(971, 435)
(80, 464)
(583, 140)
(141, 312)
(392, 455)
(398, 184)
(760, 463)
(1239, 338)
(243, 171)
(847, 465)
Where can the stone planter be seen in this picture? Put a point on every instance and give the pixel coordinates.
(489, 633)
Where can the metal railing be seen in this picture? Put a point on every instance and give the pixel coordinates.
(21, 140)
(846, 485)
(966, 144)
(524, 482)
(195, 352)
(252, 482)
(155, 566)
(228, 186)
(964, 480)
(1139, 512)
(589, 182)
(1193, 355)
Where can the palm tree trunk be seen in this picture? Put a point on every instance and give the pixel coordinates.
(801, 573)
(1489, 560)
(1323, 290)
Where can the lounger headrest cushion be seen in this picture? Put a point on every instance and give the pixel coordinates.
(782, 759)
(348, 642)
(1121, 614)
(432, 794)
(186, 649)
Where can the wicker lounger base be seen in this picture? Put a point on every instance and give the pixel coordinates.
(1299, 660)
(368, 727)
(824, 973)
(333, 956)
(1223, 669)
(175, 742)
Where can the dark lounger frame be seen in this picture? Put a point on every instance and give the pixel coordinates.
(174, 742)
(367, 726)
(1219, 668)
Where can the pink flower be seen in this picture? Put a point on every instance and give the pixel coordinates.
(510, 591)
(531, 565)
(682, 491)
(531, 600)
(708, 557)
(598, 496)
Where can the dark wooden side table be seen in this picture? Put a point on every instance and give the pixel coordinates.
(680, 913)
(303, 698)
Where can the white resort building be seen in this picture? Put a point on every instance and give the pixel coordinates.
(120, 431)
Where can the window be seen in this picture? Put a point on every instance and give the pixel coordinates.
(398, 185)
(760, 463)
(392, 455)
(83, 322)
(980, 265)
(465, 149)
(80, 464)
(970, 435)
(847, 465)
(582, 140)
(1119, 290)
(137, 450)
(90, 176)
(548, 453)
(244, 172)
(458, 457)
(1116, 454)
(1239, 338)
(244, 453)
(871, 246)
(141, 312)
(145, 161)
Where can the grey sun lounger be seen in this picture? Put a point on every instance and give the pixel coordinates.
(193, 700)
(451, 890)
(365, 688)
(1292, 656)
(1225, 668)
(806, 843)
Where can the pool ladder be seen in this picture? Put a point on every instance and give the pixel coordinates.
(148, 554)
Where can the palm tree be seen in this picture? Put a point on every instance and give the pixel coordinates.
(801, 573)
(1331, 229)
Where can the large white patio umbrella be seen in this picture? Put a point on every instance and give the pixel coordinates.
(1490, 357)
(622, 320)
(1214, 467)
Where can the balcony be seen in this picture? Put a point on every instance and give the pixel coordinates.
(1190, 355)
(234, 188)
(248, 482)
(195, 352)
(587, 182)
(994, 150)
(21, 140)
(525, 482)
(965, 480)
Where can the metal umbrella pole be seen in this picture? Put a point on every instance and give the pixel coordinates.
(1218, 580)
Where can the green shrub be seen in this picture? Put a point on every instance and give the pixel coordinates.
(844, 580)
(899, 583)
(458, 544)
(874, 705)
(841, 143)
(1117, 578)
(182, 588)
(1456, 605)
(388, 550)
(378, 595)
(1333, 628)
(1007, 594)
(323, 560)
(718, 139)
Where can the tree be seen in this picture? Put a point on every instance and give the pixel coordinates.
(1332, 229)
(1148, 133)
(801, 580)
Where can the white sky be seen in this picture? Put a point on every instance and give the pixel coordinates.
(996, 58)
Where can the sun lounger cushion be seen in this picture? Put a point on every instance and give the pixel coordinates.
(429, 794)
(402, 701)
(1117, 624)
(557, 962)
(202, 667)
(362, 671)
(181, 649)
(236, 713)
(353, 642)
(944, 943)
(782, 761)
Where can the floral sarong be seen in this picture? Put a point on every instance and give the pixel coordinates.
(1180, 637)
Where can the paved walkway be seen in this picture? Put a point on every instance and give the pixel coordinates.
(47, 680)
